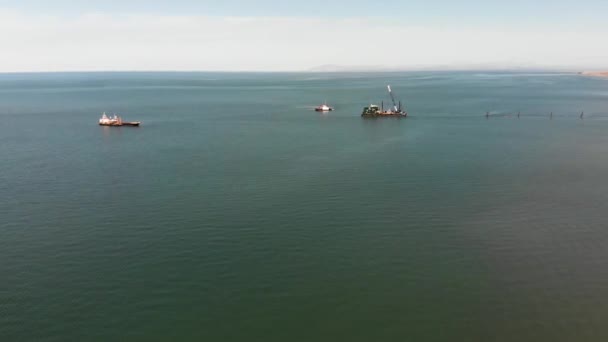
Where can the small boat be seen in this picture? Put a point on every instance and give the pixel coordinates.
(115, 121)
(323, 108)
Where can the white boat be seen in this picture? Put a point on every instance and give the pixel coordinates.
(323, 108)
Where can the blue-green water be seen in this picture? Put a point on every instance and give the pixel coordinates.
(236, 213)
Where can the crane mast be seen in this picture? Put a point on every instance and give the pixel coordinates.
(392, 98)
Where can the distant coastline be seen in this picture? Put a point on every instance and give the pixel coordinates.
(333, 68)
(594, 73)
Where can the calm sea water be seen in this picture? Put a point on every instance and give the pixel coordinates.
(236, 213)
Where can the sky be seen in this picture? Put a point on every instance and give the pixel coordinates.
(272, 35)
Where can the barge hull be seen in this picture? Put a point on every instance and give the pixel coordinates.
(121, 124)
(384, 115)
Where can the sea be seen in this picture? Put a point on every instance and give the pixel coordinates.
(238, 213)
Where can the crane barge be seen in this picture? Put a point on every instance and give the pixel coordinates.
(115, 121)
(374, 111)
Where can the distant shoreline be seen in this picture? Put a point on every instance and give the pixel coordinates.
(594, 73)
(311, 71)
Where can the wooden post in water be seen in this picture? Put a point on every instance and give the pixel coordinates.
(582, 114)
(518, 114)
(487, 115)
(551, 116)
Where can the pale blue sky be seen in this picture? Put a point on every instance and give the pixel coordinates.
(583, 12)
(297, 35)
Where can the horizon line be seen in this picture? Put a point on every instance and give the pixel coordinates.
(503, 69)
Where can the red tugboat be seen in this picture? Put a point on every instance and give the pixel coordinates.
(115, 121)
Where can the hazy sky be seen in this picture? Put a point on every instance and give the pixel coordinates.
(60, 35)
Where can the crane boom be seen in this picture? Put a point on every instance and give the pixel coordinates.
(392, 98)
